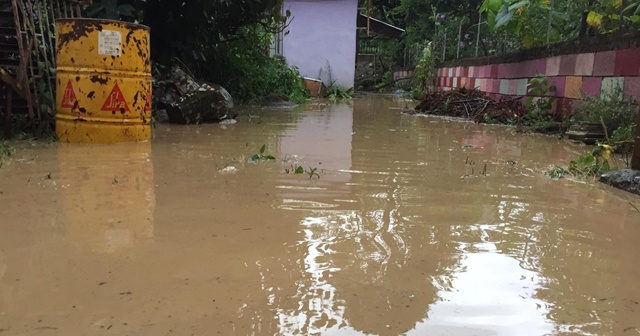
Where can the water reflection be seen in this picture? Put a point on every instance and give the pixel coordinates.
(413, 241)
(361, 258)
(108, 194)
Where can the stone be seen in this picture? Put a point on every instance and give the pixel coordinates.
(400, 92)
(276, 101)
(188, 101)
(625, 179)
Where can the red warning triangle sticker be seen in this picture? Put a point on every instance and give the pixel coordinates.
(69, 98)
(147, 104)
(115, 101)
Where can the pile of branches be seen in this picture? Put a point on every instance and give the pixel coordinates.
(471, 104)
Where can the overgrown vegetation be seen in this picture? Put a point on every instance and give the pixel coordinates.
(459, 29)
(615, 110)
(247, 73)
(618, 114)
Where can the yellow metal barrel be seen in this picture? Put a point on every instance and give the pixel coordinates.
(103, 81)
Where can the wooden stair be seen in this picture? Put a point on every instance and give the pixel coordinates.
(14, 87)
(25, 27)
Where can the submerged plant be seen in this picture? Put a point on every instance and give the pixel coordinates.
(6, 150)
(594, 163)
(312, 172)
(259, 157)
(295, 169)
(557, 172)
(335, 92)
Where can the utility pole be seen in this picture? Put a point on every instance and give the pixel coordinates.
(549, 22)
(478, 36)
(368, 16)
(459, 40)
(635, 159)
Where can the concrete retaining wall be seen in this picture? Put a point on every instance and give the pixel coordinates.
(592, 73)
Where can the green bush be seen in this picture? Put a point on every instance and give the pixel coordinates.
(616, 110)
(243, 68)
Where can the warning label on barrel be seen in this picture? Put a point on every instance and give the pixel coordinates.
(115, 101)
(109, 42)
(69, 98)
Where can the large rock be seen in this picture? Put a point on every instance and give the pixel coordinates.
(625, 179)
(188, 101)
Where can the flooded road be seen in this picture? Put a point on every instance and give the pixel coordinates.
(405, 232)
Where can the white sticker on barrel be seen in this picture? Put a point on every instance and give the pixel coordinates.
(109, 42)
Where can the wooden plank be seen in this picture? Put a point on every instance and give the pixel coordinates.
(26, 46)
(7, 113)
(12, 82)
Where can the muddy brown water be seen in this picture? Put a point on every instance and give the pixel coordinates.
(402, 234)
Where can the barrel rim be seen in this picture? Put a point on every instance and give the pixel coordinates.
(133, 25)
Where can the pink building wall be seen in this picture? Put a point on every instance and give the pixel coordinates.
(322, 32)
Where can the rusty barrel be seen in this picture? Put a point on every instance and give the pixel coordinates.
(103, 81)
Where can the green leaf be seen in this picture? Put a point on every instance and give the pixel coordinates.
(518, 4)
(269, 157)
(110, 4)
(630, 7)
(491, 20)
(491, 5)
(263, 148)
(93, 10)
(300, 170)
(504, 16)
(126, 10)
(634, 18)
